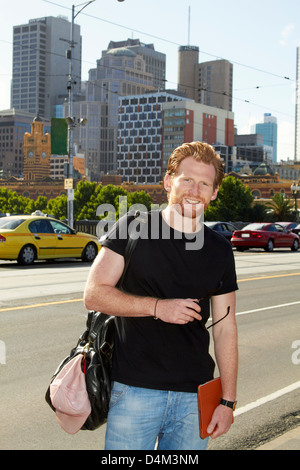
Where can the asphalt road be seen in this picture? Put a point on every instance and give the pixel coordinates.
(42, 315)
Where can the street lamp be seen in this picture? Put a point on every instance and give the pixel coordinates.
(295, 188)
(71, 99)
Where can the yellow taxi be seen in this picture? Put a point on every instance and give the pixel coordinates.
(27, 238)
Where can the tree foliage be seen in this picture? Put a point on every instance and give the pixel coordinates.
(87, 198)
(281, 208)
(233, 201)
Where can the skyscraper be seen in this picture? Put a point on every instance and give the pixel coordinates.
(40, 67)
(121, 71)
(208, 83)
(155, 60)
(269, 131)
(214, 84)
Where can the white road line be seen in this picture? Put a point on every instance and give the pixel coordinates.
(268, 308)
(266, 399)
(279, 393)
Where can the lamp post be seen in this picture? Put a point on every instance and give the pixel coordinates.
(71, 120)
(295, 188)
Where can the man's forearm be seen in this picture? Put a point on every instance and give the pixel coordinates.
(113, 301)
(226, 351)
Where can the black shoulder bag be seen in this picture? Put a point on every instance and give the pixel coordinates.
(96, 345)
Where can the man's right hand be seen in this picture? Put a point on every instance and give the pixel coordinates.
(178, 311)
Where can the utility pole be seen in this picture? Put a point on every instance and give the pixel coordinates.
(71, 120)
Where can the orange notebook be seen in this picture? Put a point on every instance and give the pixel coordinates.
(209, 395)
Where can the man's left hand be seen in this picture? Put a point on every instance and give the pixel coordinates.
(220, 422)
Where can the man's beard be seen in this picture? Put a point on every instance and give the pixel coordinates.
(188, 209)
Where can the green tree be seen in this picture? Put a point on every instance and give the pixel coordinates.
(10, 202)
(281, 207)
(233, 201)
(259, 213)
(82, 195)
(58, 207)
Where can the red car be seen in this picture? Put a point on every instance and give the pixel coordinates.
(264, 235)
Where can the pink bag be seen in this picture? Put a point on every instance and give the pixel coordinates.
(69, 396)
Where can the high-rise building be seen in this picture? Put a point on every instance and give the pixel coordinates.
(208, 83)
(40, 67)
(186, 121)
(155, 61)
(269, 131)
(120, 72)
(188, 58)
(297, 123)
(214, 84)
(140, 136)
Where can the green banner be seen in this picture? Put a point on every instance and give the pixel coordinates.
(59, 137)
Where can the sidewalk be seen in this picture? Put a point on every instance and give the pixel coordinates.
(288, 441)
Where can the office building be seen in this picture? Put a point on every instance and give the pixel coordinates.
(208, 83)
(269, 131)
(214, 84)
(188, 58)
(187, 121)
(140, 136)
(40, 67)
(155, 61)
(120, 72)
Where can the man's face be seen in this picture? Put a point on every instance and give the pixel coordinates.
(192, 187)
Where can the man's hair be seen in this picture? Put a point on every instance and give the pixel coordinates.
(201, 152)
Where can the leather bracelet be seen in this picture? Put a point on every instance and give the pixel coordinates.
(154, 315)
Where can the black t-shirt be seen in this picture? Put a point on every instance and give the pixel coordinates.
(155, 354)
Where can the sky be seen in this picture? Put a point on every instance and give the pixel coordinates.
(259, 37)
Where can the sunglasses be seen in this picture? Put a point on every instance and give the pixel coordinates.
(206, 297)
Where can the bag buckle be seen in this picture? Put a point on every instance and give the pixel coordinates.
(105, 348)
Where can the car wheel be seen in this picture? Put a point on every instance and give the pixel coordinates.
(270, 245)
(27, 255)
(295, 245)
(89, 253)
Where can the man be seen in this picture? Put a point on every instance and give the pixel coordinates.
(158, 365)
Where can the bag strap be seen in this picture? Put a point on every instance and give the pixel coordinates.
(131, 244)
(95, 318)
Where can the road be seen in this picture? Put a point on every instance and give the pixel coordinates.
(41, 316)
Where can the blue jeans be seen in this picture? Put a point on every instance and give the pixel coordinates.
(140, 417)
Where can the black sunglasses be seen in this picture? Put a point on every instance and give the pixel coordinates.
(207, 296)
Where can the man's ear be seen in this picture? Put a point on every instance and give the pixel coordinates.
(167, 182)
(215, 193)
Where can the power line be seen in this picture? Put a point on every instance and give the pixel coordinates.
(173, 42)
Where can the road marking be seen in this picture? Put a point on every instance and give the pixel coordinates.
(239, 280)
(268, 308)
(267, 277)
(58, 302)
(267, 398)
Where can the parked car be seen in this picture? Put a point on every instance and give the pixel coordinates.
(291, 226)
(224, 228)
(264, 235)
(296, 230)
(27, 238)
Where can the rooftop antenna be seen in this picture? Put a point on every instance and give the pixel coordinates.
(189, 25)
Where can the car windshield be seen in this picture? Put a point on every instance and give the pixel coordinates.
(255, 227)
(10, 223)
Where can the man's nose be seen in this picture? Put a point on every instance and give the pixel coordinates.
(195, 190)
